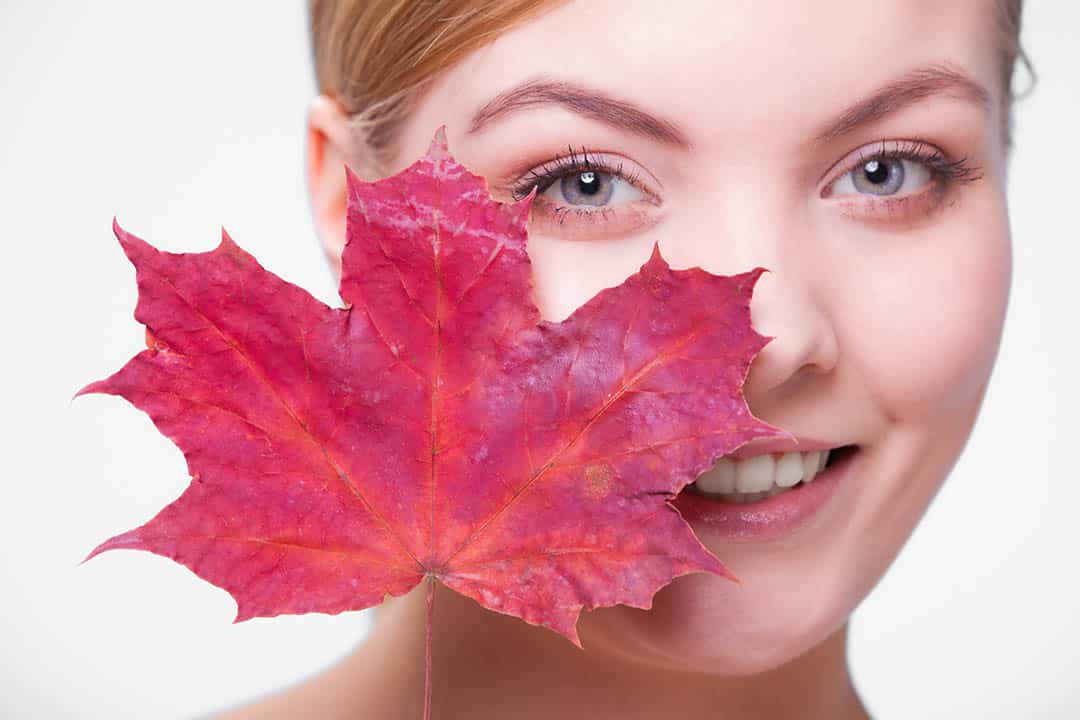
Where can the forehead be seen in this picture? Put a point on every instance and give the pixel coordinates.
(743, 66)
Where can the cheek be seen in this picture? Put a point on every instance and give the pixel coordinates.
(923, 315)
(568, 274)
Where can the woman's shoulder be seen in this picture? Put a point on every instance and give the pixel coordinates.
(300, 701)
(366, 683)
(330, 695)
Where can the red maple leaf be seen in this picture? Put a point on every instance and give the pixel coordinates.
(434, 427)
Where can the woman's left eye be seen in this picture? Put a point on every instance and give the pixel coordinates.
(900, 182)
(886, 176)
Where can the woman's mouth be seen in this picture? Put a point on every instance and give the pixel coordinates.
(763, 476)
(763, 496)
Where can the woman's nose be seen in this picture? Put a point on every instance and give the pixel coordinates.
(786, 307)
(755, 228)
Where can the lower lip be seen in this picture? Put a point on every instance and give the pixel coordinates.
(765, 519)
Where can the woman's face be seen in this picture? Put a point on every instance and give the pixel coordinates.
(888, 281)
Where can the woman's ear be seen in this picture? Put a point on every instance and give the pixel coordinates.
(330, 145)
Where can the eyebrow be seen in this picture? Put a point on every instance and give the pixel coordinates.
(588, 102)
(595, 104)
(905, 91)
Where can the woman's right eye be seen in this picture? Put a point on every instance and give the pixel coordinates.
(590, 190)
(593, 187)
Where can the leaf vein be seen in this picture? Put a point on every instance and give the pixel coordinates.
(289, 410)
(641, 373)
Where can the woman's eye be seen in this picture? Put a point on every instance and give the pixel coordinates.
(884, 176)
(595, 188)
(596, 195)
(900, 183)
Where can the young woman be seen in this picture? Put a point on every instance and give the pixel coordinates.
(857, 151)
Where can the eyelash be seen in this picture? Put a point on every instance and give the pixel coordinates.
(569, 164)
(945, 174)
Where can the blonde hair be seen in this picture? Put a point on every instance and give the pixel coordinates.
(376, 57)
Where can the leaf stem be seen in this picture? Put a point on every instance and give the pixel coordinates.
(427, 667)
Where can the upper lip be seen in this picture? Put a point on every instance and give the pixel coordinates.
(761, 446)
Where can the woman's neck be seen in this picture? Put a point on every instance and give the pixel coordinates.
(489, 665)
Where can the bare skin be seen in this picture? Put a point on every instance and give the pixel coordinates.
(481, 671)
(887, 309)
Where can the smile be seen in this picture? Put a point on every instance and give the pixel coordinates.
(727, 503)
(762, 476)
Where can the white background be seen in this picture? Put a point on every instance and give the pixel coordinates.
(179, 120)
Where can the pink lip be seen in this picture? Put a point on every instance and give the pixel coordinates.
(765, 519)
(760, 446)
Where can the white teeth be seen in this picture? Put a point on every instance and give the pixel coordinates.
(789, 470)
(811, 462)
(761, 476)
(747, 497)
(719, 479)
(755, 474)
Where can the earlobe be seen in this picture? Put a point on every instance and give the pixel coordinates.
(328, 148)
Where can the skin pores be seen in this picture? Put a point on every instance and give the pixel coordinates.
(886, 317)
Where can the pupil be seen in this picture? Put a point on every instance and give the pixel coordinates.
(875, 172)
(587, 183)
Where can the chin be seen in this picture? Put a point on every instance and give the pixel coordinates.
(706, 624)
